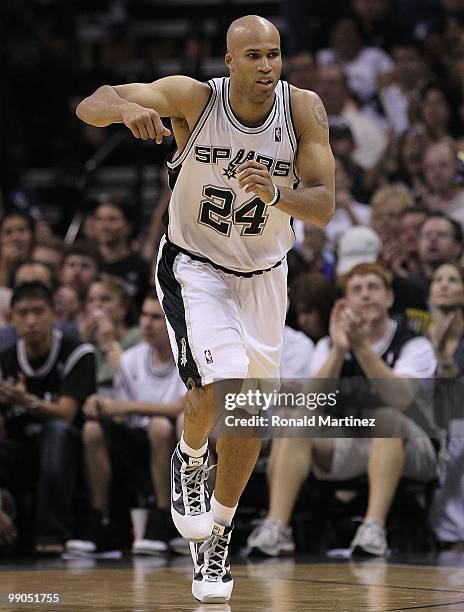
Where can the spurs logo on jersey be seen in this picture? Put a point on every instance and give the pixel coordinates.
(214, 155)
(209, 214)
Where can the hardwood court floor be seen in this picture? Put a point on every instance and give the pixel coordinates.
(271, 586)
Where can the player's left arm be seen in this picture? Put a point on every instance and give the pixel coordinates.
(315, 201)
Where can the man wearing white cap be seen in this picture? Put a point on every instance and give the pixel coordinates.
(362, 244)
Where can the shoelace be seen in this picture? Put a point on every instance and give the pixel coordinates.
(215, 551)
(194, 477)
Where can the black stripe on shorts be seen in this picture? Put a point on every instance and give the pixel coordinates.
(173, 306)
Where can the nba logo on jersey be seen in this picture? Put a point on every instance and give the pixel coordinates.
(278, 134)
(208, 356)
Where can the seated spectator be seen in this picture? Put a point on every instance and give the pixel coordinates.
(447, 336)
(343, 145)
(387, 204)
(369, 137)
(113, 231)
(410, 169)
(440, 241)
(348, 212)
(79, 269)
(49, 251)
(434, 112)
(46, 377)
(363, 66)
(311, 300)
(363, 245)
(300, 70)
(30, 271)
(109, 325)
(440, 169)
(407, 261)
(401, 91)
(364, 342)
(136, 427)
(16, 238)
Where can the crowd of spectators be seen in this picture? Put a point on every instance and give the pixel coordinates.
(86, 369)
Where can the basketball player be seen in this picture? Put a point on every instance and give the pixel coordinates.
(243, 145)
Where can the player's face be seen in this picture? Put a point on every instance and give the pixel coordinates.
(367, 295)
(152, 324)
(32, 319)
(447, 288)
(255, 63)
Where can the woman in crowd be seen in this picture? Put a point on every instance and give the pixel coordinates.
(16, 241)
(435, 113)
(411, 148)
(16, 238)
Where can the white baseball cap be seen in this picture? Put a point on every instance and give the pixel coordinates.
(359, 244)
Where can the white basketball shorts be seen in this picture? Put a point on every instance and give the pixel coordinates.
(221, 325)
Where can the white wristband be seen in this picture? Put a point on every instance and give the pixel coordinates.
(276, 197)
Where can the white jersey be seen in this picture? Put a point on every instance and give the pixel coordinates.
(138, 380)
(210, 216)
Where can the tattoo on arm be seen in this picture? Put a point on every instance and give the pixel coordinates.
(321, 115)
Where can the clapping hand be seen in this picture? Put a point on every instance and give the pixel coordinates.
(15, 393)
(337, 328)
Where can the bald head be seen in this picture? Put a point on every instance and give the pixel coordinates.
(248, 28)
(254, 61)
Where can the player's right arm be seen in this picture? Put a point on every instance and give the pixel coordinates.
(140, 106)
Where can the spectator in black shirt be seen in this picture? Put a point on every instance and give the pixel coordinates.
(46, 377)
(25, 273)
(113, 229)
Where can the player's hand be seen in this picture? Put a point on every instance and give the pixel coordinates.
(144, 123)
(256, 178)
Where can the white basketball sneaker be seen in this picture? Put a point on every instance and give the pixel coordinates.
(271, 539)
(370, 540)
(212, 581)
(190, 503)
